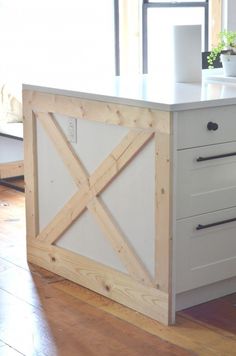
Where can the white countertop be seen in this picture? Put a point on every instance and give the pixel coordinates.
(143, 90)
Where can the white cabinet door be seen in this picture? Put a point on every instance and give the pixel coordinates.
(206, 179)
(206, 255)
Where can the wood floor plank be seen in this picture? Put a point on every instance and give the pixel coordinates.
(54, 320)
(219, 313)
(41, 314)
(200, 339)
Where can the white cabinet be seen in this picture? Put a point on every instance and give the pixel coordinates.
(208, 254)
(206, 197)
(206, 179)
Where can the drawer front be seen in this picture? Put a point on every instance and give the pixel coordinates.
(207, 255)
(206, 179)
(194, 128)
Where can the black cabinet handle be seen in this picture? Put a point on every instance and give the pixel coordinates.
(200, 159)
(201, 227)
(212, 126)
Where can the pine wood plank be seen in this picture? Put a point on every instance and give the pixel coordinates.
(199, 339)
(11, 169)
(30, 171)
(163, 177)
(102, 279)
(112, 113)
(71, 319)
(117, 114)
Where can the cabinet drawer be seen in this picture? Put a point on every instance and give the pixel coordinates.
(207, 255)
(206, 179)
(192, 126)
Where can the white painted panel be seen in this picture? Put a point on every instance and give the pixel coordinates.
(192, 126)
(130, 199)
(95, 140)
(55, 185)
(206, 186)
(85, 238)
(10, 150)
(205, 256)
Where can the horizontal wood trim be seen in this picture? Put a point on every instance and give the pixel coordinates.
(101, 279)
(11, 169)
(110, 113)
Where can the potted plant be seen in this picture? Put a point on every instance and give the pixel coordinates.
(226, 49)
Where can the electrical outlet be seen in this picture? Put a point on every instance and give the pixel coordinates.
(72, 130)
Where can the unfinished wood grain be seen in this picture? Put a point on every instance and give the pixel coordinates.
(30, 167)
(100, 111)
(11, 169)
(163, 247)
(113, 234)
(200, 339)
(70, 309)
(104, 280)
(120, 287)
(215, 21)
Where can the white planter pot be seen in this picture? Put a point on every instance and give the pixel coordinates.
(229, 64)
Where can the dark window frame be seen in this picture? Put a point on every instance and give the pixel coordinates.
(117, 36)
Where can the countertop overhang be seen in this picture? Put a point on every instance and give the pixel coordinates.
(142, 91)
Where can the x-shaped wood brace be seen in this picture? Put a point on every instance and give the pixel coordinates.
(89, 189)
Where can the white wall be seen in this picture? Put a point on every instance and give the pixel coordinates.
(56, 35)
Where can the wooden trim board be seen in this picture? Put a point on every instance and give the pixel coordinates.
(101, 279)
(11, 169)
(136, 289)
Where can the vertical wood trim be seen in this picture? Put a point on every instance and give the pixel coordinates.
(30, 167)
(215, 21)
(163, 247)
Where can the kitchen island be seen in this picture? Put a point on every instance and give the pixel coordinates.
(131, 188)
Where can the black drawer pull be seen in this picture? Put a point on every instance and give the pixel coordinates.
(212, 126)
(201, 227)
(200, 159)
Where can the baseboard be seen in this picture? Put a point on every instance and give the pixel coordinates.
(205, 294)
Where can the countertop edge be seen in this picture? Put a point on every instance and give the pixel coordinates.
(133, 102)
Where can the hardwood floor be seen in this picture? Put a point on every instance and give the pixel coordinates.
(45, 315)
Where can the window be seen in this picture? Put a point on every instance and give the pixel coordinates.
(66, 36)
(159, 17)
(145, 29)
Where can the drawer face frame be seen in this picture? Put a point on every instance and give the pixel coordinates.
(205, 256)
(207, 185)
(192, 128)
